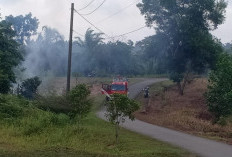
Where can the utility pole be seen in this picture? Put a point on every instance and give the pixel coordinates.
(70, 50)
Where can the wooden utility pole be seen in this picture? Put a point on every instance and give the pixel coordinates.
(70, 50)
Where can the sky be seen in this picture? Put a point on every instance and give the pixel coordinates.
(56, 14)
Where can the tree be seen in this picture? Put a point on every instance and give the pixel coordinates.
(219, 95)
(10, 56)
(153, 53)
(47, 54)
(92, 46)
(29, 87)
(118, 108)
(228, 47)
(24, 26)
(186, 26)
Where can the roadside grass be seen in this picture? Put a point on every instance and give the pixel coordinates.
(186, 113)
(37, 132)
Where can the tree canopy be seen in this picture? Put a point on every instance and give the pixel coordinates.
(184, 27)
(24, 26)
(10, 56)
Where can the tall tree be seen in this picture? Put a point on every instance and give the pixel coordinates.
(91, 43)
(47, 54)
(25, 26)
(10, 56)
(186, 25)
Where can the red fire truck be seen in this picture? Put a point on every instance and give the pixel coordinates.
(119, 85)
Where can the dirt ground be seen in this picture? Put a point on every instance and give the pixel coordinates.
(186, 113)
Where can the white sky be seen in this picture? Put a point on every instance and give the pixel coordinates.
(56, 14)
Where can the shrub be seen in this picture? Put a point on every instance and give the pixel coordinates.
(54, 103)
(29, 87)
(40, 120)
(79, 101)
(11, 106)
(219, 95)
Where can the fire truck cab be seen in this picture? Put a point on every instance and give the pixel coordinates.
(119, 85)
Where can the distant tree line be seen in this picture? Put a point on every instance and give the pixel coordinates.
(182, 45)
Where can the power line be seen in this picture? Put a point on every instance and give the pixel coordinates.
(123, 9)
(128, 32)
(95, 9)
(78, 33)
(87, 5)
(91, 23)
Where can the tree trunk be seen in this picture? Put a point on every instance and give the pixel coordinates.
(181, 87)
(181, 92)
(116, 131)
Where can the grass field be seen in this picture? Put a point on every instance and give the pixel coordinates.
(95, 139)
(58, 84)
(37, 132)
(186, 113)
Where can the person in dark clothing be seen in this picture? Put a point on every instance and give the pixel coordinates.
(146, 92)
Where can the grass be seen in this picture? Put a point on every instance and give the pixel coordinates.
(188, 113)
(96, 138)
(36, 132)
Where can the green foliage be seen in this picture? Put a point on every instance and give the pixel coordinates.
(24, 26)
(29, 87)
(11, 107)
(53, 102)
(183, 36)
(43, 133)
(79, 101)
(10, 56)
(40, 120)
(106, 59)
(28, 119)
(228, 47)
(118, 108)
(219, 95)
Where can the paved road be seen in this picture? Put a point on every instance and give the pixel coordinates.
(202, 147)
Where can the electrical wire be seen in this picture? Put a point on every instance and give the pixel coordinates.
(95, 9)
(87, 5)
(123, 9)
(78, 33)
(128, 32)
(91, 23)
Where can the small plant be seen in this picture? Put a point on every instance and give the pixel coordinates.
(29, 87)
(120, 107)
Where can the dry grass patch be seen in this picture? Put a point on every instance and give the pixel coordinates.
(186, 113)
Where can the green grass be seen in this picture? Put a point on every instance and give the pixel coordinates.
(41, 133)
(95, 138)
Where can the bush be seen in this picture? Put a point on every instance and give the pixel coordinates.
(40, 120)
(219, 95)
(11, 106)
(29, 87)
(79, 101)
(54, 103)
